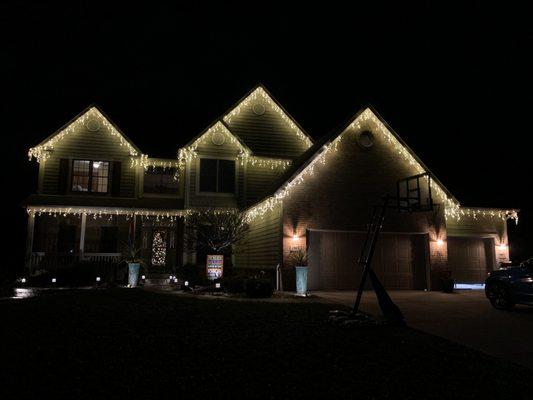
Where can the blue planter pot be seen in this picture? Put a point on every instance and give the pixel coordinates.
(301, 280)
(133, 274)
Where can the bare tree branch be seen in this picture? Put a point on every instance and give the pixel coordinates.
(215, 230)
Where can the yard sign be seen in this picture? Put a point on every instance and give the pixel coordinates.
(215, 266)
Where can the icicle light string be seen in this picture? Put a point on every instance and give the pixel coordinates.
(452, 208)
(42, 152)
(260, 93)
(98, 213)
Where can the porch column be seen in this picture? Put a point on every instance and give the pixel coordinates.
(29, 242)
(82, 235)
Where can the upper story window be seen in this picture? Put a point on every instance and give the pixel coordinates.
(90, 176)
(160, 180)
(217, 176)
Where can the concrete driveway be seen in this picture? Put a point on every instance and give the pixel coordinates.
(465, 317)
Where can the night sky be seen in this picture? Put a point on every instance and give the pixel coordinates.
(456, 84)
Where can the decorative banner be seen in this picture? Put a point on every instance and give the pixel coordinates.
(214, 266)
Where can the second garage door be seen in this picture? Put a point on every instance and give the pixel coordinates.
(398, 260)
(467, 259)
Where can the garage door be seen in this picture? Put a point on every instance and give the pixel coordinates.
(467, 259)
(333, 260)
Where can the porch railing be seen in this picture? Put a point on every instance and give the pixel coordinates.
(47, 261)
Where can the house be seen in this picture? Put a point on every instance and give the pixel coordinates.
(95, 186)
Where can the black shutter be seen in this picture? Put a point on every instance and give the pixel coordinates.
(115, 182)
(62, 184)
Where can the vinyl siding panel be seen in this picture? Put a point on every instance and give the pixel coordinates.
(258, 180)
(267, 134)
(262, 247)
(87, 145)
(481, 226)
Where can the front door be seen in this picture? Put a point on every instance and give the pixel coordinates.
(159, 247)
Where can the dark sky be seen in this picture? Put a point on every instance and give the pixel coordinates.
(455, 83)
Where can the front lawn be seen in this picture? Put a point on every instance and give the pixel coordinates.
(136, 344)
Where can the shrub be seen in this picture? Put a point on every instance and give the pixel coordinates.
(258, 288)
(193, 273)
(234, 284)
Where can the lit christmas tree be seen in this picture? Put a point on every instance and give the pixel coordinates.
(159, 249)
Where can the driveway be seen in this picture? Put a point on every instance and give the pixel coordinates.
(465, 317)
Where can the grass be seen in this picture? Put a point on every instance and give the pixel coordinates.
(136, 344)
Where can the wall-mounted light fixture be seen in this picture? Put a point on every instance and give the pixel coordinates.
(295, 237)
(440, 242)
(502, 246)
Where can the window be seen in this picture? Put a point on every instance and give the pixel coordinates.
(217, 176)
(160, 180)
(90, 176)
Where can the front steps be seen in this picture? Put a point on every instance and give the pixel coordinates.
(161, 281)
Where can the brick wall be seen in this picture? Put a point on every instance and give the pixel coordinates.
(341, 193)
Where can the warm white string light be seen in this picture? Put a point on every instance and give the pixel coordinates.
(261, 93)
(42, 151)
(100, 212)
(271, 163)
(452, 208)
(190, 152)
(477, 213)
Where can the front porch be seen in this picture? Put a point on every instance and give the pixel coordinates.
(57, 241)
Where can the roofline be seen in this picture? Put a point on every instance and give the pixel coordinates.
(260, 85)
(212, 124)
(491, 208)
(413, 154)
(338, 131)
(84, 111)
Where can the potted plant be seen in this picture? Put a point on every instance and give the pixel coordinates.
(131, 257)
(299, 260)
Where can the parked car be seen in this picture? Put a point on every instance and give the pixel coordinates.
(509, 286)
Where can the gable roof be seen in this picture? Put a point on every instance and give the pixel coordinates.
(41, 151)
(218, 126)
(318, 152)
(232, 120)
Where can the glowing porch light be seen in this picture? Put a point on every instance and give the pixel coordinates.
(502, 246)
(295, 237)
(440, 242)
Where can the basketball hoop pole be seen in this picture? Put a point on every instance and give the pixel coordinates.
(409, 199)
(369, 247)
